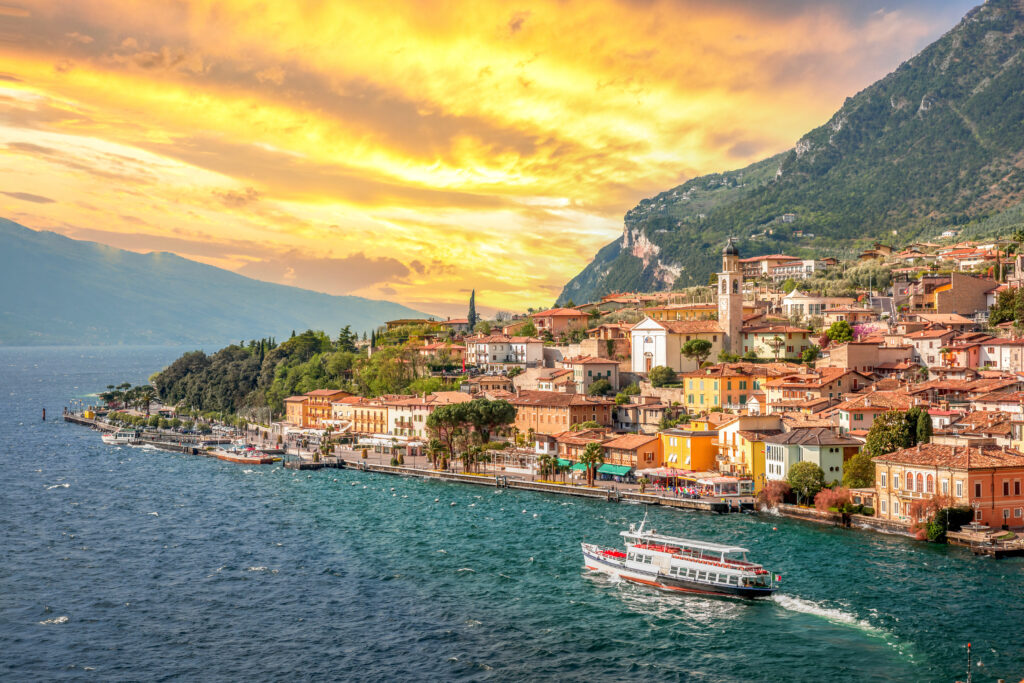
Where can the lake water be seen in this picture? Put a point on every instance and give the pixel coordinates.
(124, 563)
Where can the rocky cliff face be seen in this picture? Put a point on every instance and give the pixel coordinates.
(937, 143)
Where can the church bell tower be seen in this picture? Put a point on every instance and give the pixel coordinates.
(730, 299)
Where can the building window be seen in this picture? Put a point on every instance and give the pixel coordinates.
(977, 515)
(895, 507)
(977, 489)
(945, 486)
(1016, 487)
(959, 489)
(910, 481)
(1018, 512)
(883, 507)
(884, 478)
(1006, 488)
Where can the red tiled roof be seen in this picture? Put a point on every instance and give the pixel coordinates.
(691, 326)
(555, 399)
(556, 312)
(956, 457)
(629, 442)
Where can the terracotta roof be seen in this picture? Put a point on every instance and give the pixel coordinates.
(325, 392)
(589, 360)
(928, 334)
(877, 401)
(957, 457)
(629, 442)
(581, 437)
(813, 436)
(558, 312)
(555, 399)
(768, 329)
(770, 257)
(296, 399)
(691, 326)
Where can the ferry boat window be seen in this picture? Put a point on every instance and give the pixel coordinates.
(734, 580)
(702, 576)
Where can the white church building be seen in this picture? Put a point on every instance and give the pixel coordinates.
(660, 342)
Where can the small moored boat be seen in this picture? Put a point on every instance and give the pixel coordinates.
(682, 565)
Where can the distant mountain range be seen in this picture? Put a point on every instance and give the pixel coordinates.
(60, 291)
(937, 143)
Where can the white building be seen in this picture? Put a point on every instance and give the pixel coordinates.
(660, 342)
(499, 353)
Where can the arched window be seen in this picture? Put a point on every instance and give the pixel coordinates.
(724, 287)
(735, 286)
(910, 481)
(931, 484)
(920, 482)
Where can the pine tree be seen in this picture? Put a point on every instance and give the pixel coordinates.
(472, 318)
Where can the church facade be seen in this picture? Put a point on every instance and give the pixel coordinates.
(660, 342)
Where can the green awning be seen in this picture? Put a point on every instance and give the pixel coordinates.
(618, 470)
(562, 462)
(579, 467)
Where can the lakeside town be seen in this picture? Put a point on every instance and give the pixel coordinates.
(899, 403)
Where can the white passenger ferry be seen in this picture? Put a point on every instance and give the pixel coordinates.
(122, 437)
(682, 565)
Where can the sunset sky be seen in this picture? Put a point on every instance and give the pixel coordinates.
(411, 151)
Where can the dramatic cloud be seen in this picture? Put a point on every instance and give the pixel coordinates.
(420, 150)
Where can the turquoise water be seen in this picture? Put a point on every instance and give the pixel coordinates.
(121, 563)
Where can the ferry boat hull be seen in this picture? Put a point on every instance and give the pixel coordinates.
(608, 561)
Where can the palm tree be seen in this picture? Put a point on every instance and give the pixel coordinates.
(643, 481)
(547, 463)
(592, 457)
(144, 397)
(776, 343)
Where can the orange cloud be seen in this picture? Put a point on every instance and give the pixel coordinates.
(497, 146)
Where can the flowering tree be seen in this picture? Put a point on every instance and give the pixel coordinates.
(772, 494)
(831, 498)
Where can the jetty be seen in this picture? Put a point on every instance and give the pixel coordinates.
(982, 540)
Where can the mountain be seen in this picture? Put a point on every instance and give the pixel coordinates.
(937, 143)
(61, 291)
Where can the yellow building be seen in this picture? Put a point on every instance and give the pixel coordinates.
(741, 448)
(727, 385)
(687, 449)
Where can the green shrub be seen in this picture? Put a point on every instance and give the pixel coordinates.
(868, 510)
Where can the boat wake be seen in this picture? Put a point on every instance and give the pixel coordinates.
(831, 614)
(58, 486)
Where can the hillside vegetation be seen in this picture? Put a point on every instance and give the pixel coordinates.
(937, 143)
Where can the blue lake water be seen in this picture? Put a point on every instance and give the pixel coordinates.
(123, 563)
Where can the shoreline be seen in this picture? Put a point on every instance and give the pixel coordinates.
(350, 459)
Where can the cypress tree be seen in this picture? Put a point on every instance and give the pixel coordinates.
(924, 427)
(471, 318)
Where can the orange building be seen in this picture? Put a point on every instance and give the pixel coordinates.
(986, 478)
(553, 412)
(318, 406)
(639, 451)
(560, 320)
(296, 411)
